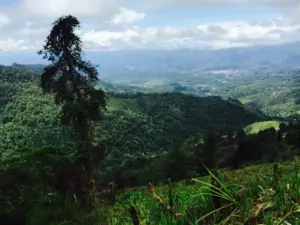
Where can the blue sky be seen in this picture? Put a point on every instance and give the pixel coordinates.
(157, 24)
(192, 16)
(8, 2)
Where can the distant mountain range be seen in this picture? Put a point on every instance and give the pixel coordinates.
(203, 67)
(271, 89)
(264, 77)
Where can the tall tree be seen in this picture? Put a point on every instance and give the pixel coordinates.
(73, 80)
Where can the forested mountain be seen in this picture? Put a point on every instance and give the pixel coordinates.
(12, 80)
(134, 125)
(275, 93)
(36, 68)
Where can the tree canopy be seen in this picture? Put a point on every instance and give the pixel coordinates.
(70, 77)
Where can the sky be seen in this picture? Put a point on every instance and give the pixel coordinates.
(115, 25)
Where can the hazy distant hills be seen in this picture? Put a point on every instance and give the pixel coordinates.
(205, 67)
(265, 77)
(152, 63)
(163, 67)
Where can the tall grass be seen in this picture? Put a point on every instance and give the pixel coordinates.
(264, 194)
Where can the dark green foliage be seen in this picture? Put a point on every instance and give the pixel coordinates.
(268, 134)
(176, 164)
(134, 132)
(249, 150)
(73, 81)
(12, 80)
(11, 75)
(210, 151)
(240, 136)
(36, 68)
(148, 125)
(35, 189)
(70, 78)
(283, 127)
(30, 120)
(190, 109)
(279, 136)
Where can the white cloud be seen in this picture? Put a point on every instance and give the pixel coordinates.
(289, 8)
(26, 24)
(108, 38)
(51, 9)
(29, 24)
(206, 2)
(127, 16)
(10, 44)
(29, 21)
(4, 20)
(214, 35)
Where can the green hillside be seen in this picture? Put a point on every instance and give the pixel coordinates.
(260, 126)
(149, 123)
(274, 93)
(12, 80)
(154, 123)
(135, 125)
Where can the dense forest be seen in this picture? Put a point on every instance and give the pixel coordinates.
(135, 127)
(68, 149)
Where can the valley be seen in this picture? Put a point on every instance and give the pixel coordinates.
(268, 82)
(161, 137)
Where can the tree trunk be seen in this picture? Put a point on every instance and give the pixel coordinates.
(84, 135)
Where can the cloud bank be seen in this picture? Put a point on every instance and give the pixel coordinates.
(115, 25)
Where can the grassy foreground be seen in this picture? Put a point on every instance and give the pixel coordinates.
(262, 194)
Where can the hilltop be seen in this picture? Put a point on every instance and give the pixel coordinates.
(260, 126)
